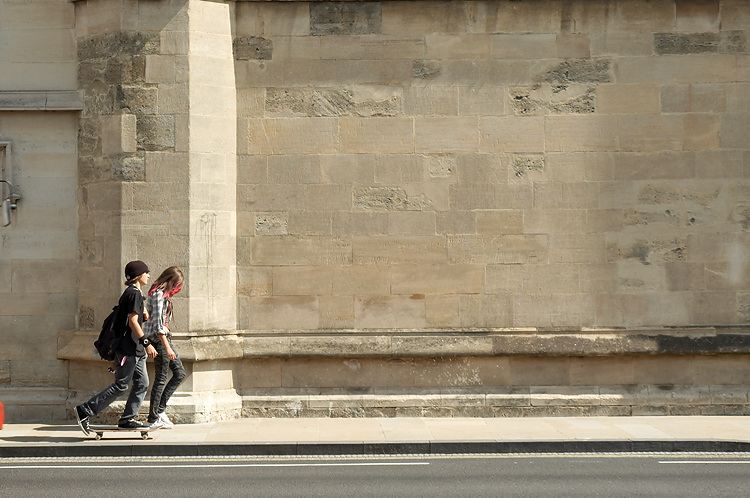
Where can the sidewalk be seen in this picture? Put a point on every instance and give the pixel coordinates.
(375, 436)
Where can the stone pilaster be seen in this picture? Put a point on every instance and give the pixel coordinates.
(157, 166)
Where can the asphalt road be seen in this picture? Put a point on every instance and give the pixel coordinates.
(502, 476)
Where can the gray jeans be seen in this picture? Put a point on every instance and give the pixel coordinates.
(132, 369)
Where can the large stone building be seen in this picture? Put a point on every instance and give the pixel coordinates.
(384, 208)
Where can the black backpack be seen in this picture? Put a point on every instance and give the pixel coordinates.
(109, 337)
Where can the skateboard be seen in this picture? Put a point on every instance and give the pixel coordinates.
(100, 430)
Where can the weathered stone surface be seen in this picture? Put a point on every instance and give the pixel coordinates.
(252, 48)
(579, 71)
(571, 99)
(426, 69)
(129, 168)
(385, 199)
(156, 132)
(344, 18)
(731, 42)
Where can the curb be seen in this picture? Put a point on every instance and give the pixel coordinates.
(372, 448)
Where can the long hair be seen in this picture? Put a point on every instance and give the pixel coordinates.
(170, 282)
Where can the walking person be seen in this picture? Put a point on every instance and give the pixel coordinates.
(158, 330)
(130, 356)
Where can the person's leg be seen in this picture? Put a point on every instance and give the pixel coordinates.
(161, 372)
(178, 375)
(137, 392)
(123, 375)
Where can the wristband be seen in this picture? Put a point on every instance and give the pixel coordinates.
(144, 342)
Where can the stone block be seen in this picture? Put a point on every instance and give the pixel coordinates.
(283, 313)
(377, 135)
(155, 132)
(493, 311)
(698, 16)
(302, 281)
(378, 72)
(481, 169)
(25, 304)
(250, 169)
(719, 164)
(129, 168)
(300, 251)
(440, 134)
(580, 133)
(576, 248)
(437, 279)
(469, 46)
(676, 69)
(431, 101)
(573, 46)
(252, 47)
(499, 249)
(523, 46)
(398, 250)
(701, 132)
(456, 222)
(409, 19)
(348, 169)
(293, 169)
(640, 133)
(509, 221)
(336, 312)
(732, 126)
(622, 43)
(392, 47)
(412, 223)
(503, 196)
(628, 99)
(345, 224)
(442, 311)
(399, 312)
(507, 18)
(345, 19)
(361, 281)
(310, 223)
(481, 101)
(714, 308)
(271, 223)
(656, 165)
(398, 169)
(292, 136)
(254, 281)
(499, 134)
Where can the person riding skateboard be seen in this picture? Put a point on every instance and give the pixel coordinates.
(130, 356)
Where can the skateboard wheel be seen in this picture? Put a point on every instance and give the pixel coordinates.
(144, 435)
(98, 436)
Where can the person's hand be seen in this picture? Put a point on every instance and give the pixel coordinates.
(171, 354)
(151, 351)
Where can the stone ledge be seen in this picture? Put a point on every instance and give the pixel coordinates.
(363, 344)
(41, 101)
(510, 402)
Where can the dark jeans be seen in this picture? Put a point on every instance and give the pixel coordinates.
(163, 390)
(133, 369)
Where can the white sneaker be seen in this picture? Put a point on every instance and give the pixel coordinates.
(158, 424)
(167, 424)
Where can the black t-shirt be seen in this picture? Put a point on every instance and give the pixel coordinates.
(130, 301)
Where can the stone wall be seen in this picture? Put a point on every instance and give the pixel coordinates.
(459, 165)
(385, 208)
(39, 251)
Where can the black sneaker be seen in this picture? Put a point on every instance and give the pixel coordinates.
(131, 424)
(82, 419)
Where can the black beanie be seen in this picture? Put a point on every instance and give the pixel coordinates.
(135, 269)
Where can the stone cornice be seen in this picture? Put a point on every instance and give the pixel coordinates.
(348, 344)
(41, 101)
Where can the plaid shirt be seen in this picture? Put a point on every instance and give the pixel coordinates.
(156, 304)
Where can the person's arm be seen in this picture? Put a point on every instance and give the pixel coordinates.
(170, 352)
(138, 333)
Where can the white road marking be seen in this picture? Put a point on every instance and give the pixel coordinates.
(699, 462)
(218, 465)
